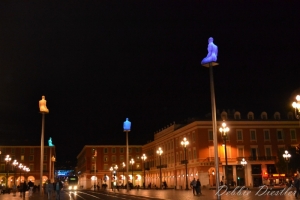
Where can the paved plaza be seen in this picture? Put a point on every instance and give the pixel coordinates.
(171, 194)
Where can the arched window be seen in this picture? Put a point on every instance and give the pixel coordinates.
(250, 116)
(224, 115)
(237, 115)
(277, 115)
(264, 116)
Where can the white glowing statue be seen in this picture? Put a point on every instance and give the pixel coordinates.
(42, 105)
(212, 52)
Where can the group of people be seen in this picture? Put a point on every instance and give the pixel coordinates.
(50, 187)
(196, 186)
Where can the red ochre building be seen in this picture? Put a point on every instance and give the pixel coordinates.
(30, 157)
(257, 138)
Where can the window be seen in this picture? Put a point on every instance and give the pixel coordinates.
(31, 158)
(190, 155)
(237, 115)
(267, 135)
(22, 157)
(22, 150)
(13, 150)
(177, 157)
(113, 158)
(129, 150)
(2, 167)
(240, 151)
(105, 166)
(121, 150)
(137, 150)
(137, 165)
(181, 158)
(277, 116)
(279, 135)
(195, 153)
(177, 143)
(121, 158)
(193, 136)
(31, 167)
(45, 150)
(239, 134)
(45, 168)
(210, 135)
(105, 150)
(293, 134)
(251, 116)
(254, 153)
(264, 115)
(268, 152)
(105, 158)
(113, 150)
(31, 151)
(252, 135)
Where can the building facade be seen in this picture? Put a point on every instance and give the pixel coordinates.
(30, 157)
(257, 139)
(95, 165)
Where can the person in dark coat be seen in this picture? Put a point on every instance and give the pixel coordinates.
(198, 187)
(24, 188)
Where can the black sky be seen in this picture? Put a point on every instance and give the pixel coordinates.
(98, 62)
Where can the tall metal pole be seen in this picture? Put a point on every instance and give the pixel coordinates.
(226, 164)
(42, 154)
(186, 173)
(127, 160)
(160, 181)
(144, 176)
(214, 123)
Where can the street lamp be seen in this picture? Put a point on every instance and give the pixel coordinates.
(111, 182)
(15, 163)
(296, 105)
(159, 152)
(20, 167)
(7, 160)
(286, 157)
(126, 128)
(123, 166)
(184, 143)
(43, 110)
(132, 162)
(244, 163)
(144, 157)
(53, 159)
(115, 173)
(224, 130)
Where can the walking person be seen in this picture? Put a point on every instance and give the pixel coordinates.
(193, 185)
(30, 185)
(24, 188)
(297, 186)
(58, 187)
(49, 188)
(198, 187)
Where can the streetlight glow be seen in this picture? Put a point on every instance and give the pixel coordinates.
(144, 157)
(184, 143)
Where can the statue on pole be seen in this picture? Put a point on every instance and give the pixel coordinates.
(212, 52)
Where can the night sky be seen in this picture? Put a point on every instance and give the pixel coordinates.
(98, 62)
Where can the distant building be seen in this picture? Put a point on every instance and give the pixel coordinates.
(95, 161)
(30, 157)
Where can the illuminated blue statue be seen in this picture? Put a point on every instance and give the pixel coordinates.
(212, 52)
(126, 125)
(50, 142)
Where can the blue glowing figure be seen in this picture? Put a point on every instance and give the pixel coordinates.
(212, 52)
(50, 142)
(126, 125)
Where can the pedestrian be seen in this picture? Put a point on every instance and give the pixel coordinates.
(49, 188)
(58, 187)
(198, 187)
(24, 188)
(30, 186)
(193, 186)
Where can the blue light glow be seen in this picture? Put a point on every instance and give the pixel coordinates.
(212, 52)
(126, 125)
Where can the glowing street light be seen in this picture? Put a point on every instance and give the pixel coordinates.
(224, 130)
(144, 157)
(244, 163)
(159, 152)
(132, 162)
(184, 143)
(296, 106)
(287, 157)
(7, 160)
(126, 128)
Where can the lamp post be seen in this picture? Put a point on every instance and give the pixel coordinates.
(115, 174)
(43, 110)
(7, 160)
(224, 130)
(244, 163)
(15, 163)
(184, 143)
(159, 152)
(126, 128)
(111, 182)
(123, 166)
(296, 106)
(287, 157)
(132, 162)
(53, 159)
(20, 167)
(144, 157)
